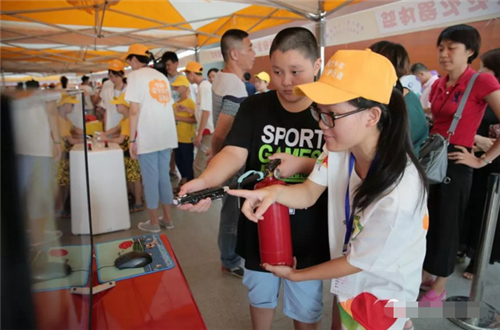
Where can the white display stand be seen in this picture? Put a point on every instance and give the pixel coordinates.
(108, 190)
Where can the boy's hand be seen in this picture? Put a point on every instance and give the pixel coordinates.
(192, 186)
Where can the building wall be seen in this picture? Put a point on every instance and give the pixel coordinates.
(421, 46)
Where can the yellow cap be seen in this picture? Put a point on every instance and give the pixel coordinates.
(120, 100)
(194, 67)
(350, 74)
(137, 49)
(66, 98)
(116, 65)
(180, 81)
(263, 76)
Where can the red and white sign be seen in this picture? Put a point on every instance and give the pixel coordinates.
(408, 15)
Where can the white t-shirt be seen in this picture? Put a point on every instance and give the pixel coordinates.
(204, 103)
(113, 117)
(32, 134)
(228, 91)
(88, 92)
(388, 240)
(156, 127)
(426, 91)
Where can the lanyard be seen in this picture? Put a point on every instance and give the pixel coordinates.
(348, 216)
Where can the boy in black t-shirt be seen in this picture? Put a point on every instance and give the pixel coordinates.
(278, 124)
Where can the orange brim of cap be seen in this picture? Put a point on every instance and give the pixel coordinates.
(322, 93)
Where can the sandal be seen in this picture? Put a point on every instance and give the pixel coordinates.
(137, 208)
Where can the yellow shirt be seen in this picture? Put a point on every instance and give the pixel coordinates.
(186, 132)
(64, 131)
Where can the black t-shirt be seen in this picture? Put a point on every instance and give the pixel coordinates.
(264, 127)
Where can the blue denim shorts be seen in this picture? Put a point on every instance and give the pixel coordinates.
(302, 301)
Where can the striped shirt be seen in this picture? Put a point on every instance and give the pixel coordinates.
(228, 91)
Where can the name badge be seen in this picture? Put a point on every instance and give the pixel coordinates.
(344, 287)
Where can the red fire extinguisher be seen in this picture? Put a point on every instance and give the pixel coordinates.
(275, 236)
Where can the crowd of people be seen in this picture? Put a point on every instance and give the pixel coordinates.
(362, 211)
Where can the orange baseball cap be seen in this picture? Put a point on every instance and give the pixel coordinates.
(194, 67)
(116, 65)
(350, 74)
(180, 81)
(137, 49)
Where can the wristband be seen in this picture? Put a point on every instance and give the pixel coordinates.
(131, 141)
(486, 160)
(56, 142)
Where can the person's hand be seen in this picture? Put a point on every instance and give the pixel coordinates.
(57, 150)
(258, 200)
(192, 186)
(133, 150)
(464, 157)
(484, 143)
(181, 108)
(290, 165)
(197, 141)
(285, 272)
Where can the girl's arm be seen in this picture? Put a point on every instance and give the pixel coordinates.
(299, 196)
(113, 130)
(190, 120)
(467, 158)
(118, 139)
(335, 268)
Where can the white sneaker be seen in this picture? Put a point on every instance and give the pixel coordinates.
(169, 225)
(147, 226)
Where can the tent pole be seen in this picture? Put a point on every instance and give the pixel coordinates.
(197, 50)
(320, 36)
(4, 84)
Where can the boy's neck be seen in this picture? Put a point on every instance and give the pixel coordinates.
(182, 98)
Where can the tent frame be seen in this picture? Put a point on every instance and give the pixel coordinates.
(319, 18)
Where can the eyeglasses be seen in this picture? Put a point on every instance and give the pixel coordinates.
(329, 118)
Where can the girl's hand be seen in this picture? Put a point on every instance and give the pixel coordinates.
(285, 272)
(259, 199)
(464, 157)
(290, 165)
(133, 150)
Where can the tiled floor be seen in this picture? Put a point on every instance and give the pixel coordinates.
(222, 298)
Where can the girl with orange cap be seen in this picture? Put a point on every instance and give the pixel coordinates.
(111, 90)
(376, 189)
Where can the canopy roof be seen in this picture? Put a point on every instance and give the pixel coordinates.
(84, 35)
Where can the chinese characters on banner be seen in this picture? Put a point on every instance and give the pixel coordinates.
(408, 15)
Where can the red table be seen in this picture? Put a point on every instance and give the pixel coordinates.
(160, 300)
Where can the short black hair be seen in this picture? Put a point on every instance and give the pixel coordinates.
(104, 80)
(464, 34)
(117, 73)
(84, 79)
(32, 84)
(64, 81)
(231, 39)
(296, 38)
(141, 58)
(247, 76)
(196, 73)
(418, 67)
(212, 70)
(395, 53)
(169, 56)
(491, 61)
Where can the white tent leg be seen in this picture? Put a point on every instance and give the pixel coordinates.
(197, 50)
(4, 85)
(320, 36)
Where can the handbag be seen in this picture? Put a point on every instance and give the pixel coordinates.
(494, 131)
(433, 154)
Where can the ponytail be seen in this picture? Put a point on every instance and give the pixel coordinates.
(394, 148)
